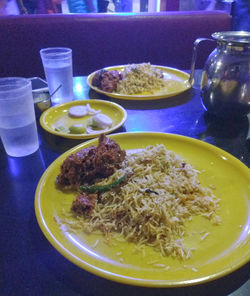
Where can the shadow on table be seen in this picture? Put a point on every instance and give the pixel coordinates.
(231, 135)
(227, 128)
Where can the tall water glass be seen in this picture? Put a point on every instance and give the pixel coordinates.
(57, 63)
(18, 128)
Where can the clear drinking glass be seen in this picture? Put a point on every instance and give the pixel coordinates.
(18, 128)
(57, 63)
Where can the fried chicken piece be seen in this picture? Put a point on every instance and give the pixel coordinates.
(91, 163)
(109, 156)
(84, 203)
(106, 80)
(109, 80)
(96, 81)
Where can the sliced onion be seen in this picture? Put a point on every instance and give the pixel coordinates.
(89, 130)
(102, 121)
(92, 111)
(78, 111)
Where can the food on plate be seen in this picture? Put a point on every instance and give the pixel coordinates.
(89, 164)
(147, 196)
(101, 121)
(62, 129)
(77, 129)
(133, 79)
(103, 188)
(98, 122)
(84, 203)
(95, 123)
(81, 110)
(106, 80)
(78, 111)
(140, 78)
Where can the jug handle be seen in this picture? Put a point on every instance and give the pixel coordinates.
(194, 55)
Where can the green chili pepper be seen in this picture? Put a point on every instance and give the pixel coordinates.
(103, 188)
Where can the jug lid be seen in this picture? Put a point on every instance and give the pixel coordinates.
(239, 37)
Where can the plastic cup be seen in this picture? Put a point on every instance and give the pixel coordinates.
(18, 128)
(57, 64)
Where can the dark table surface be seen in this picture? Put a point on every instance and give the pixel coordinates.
(29, 265)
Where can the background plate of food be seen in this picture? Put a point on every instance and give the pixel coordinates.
(139, 81)
(83, 119)
(147, 209)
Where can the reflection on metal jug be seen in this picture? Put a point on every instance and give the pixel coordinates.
(225, 83)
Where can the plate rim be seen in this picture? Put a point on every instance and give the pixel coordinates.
(133, 281)
(138, 97)
(82, 136)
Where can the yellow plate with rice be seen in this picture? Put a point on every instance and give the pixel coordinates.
(177, 82)
(224, 250)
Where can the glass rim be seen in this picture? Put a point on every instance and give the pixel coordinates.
(7, 82)
(52, 51)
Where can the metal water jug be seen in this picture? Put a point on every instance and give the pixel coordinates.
(225, 83)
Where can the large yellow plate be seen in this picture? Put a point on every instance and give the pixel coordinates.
(58, 115)
(223, 251)
(177, 83)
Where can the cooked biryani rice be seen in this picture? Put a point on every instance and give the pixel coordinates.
(153, 206)
(140, 78)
